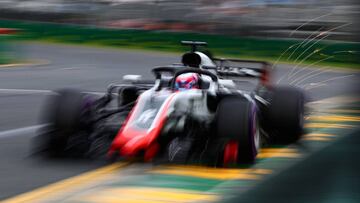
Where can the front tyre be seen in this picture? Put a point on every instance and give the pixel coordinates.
(63, 115)
(237, 126)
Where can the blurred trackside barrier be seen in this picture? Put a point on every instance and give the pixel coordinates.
(6, 51)
(336, 53)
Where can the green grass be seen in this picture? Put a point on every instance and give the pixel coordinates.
(239, 47)
(6, 54)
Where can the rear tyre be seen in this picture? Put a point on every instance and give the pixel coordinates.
(237, 127)
(286, 114)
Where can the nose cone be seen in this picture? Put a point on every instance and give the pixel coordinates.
(129, 143)
(134, 146)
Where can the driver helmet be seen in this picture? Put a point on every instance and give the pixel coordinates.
(187, 81)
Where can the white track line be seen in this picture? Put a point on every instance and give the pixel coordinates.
(25, 91)
(31, 91)
(29, 130)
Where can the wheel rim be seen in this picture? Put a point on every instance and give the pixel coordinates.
(230, 153)
(256, 134)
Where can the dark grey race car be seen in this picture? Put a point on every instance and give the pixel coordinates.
(225, 121)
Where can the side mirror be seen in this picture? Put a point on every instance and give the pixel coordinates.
(132, 78)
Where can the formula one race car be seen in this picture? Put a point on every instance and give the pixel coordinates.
(204, 110)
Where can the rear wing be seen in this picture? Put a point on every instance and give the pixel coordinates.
(194, 44)
(239, 68)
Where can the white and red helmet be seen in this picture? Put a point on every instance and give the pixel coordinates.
(187, 81)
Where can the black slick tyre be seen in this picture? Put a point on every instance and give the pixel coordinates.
(237, 126)
(62, 115)
(286, 114)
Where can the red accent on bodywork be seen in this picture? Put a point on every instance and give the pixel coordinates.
(265, 76)
(230, 153)
(130, 141)
(151, 152)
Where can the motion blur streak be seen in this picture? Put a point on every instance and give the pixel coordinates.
(24, 91)
(66, 185)
(211, 173)
(335, 118)
(319, 137)
(48, 45)
(281, 152)
(20, 131)
(327, 125)
(147, 195)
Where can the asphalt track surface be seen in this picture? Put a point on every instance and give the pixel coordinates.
(23, 90)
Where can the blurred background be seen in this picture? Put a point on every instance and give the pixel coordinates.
(265, 18)
(314, 45)
(240, 28)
